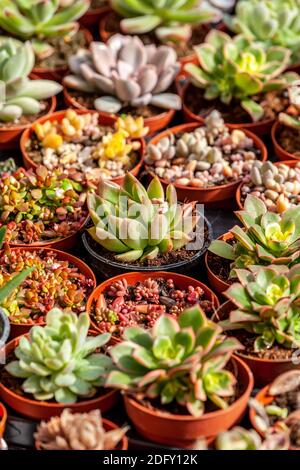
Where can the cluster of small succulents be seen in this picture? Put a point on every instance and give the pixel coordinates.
(277, 185)
(38, 206)
(52, 283)
(79, 141)
(123, 305)
(208, 156)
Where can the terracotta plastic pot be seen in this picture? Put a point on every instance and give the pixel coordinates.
(3, 418)
(264, 370)
(108, 426)
(183, 430)
(92, 17)
(58, 73)
(261, 128)
(279, 151)
(206, 195)
(216, 283)
(58, 116)
(39, 410)
(19, 329)
(181, 281)
(10, 137)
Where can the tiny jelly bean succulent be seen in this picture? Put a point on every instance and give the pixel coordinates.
(139, 224)
(238, 68)
(125, 72)
(292, 117)
(266, 237)
(179, 360)
(59, 361)
(267, 301)
(18, 94)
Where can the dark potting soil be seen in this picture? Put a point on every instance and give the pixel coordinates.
(289, 140)
(98, 4)
(276, 352)
(27, 119)
(220, 267)
(272, 102)
(63, 47)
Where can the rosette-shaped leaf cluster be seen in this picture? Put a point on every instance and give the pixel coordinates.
(180, 360)
(238, 68)
(125, 72)
(243, 439)
(59, 361)
(274, 22)
(292, 117)
(268, 305)
(266, 238)
(40, 19)
(18, 94)
(171, 19)
(139, 224)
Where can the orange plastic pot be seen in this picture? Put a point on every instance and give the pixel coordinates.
(39, 410)
(183, 430)
(216, 194)
(19, 329)
(92, 17)
(58, 73)
(58, 116)
(180, 280)
(264, 370)
(10, 137)
(3, 418)
(279, 151)
(216, 283)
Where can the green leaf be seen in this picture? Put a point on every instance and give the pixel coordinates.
(239, 296)
(206, 57)
(140, 25)
(222, 249)
(155, 189)
(14, 283)
(192, 317)
(255, 110)
(118, 379)
(138, 335)
(63, 395)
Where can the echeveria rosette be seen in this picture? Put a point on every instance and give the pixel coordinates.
(238, 68)
(180, 360)
(268, 305)
(271, 22)
(266, 238)
(59, 361)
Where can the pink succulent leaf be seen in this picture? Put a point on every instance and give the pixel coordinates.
(167, 101)
(126, 90)
(151, 377)
(165, 80)
(164, 58)
(143, 100)
(102, 58)
(124, 69)
(134, 54)
(150, 52)
(104, 84)
(83, 56)
(147, 79)
(115, 43)
(108, 104)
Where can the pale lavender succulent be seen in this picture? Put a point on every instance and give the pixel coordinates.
(124, 72)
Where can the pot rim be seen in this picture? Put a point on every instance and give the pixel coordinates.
(224, 237)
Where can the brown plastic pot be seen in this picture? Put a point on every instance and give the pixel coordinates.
(41, 410)
(58, 73)
(279, 151)
(92, 17)
(264, 370)
(19, 329)
(216, 283)
(58, 116)
(3, 418)
(181, 281)
(216, 194)
(183, 430)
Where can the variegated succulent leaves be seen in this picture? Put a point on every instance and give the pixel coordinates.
(268, 305)
(125, 72)
(171, 19)
(236, 68)
(139, 224)
(243, 439)
(18, 94)
(292, 117)
(180, 360)
(266, 237)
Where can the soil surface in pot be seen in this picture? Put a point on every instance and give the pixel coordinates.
(276, 352)
(183, 48)
(27, 119)
(98, 4)
(289, 140)
(220, 267)
(272, 102)
(63, 48)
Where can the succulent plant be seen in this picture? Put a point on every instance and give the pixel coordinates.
(18, 94)
(171, 19)
(77, 431)
(266, 238)
(125, 72)
(58, 361)
(219, 6)
(180, 360)
(139, 224)
(267, 301)
(292, 117)
(237, 68)
(38, 20)
(242, 439)
(272, 22)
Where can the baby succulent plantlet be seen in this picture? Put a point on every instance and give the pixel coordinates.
(267, 301)
(237, 69)
(18, 94)
(179, 361)
(292, 117)
(59, 362)
(242, 439)
(139, 224)
(266, 238)
(38, 20)
(125, 72)
(171, 19)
